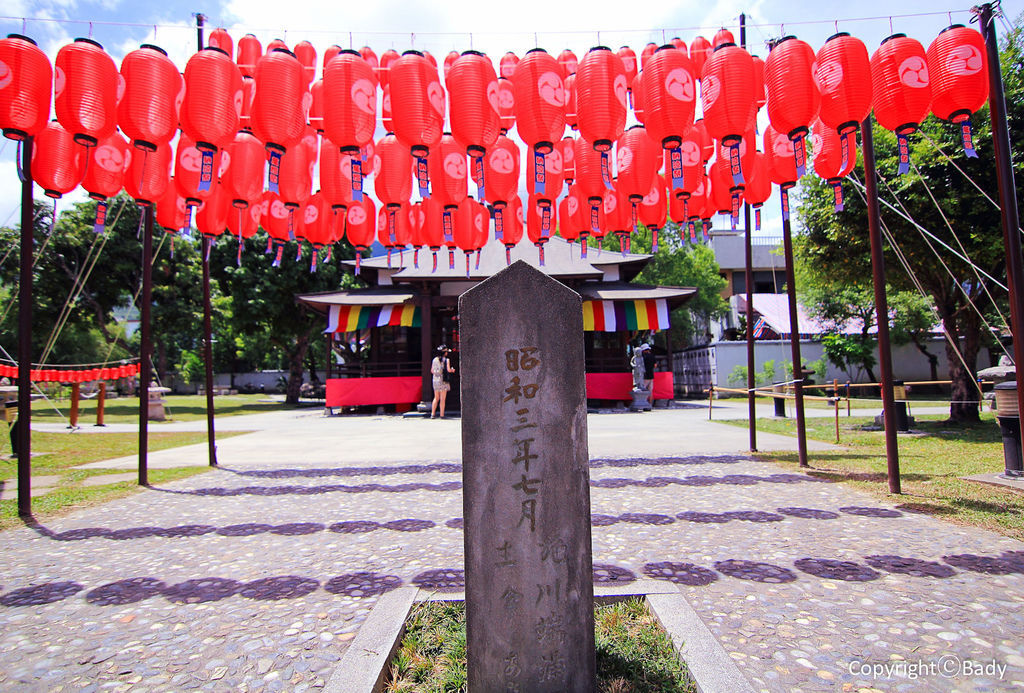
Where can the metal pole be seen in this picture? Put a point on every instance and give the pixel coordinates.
(25, 335)
(146, 338)
(794, 342)
(749, 281)
(101, 400)
(211, 438)
(1007, 194)
(200, 18)
(892, 453)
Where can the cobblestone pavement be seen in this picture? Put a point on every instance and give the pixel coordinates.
(255, 576)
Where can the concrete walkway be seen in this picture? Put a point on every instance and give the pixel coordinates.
(256, 576)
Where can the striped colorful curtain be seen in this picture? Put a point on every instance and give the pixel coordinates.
(352, 318)
(612, 316)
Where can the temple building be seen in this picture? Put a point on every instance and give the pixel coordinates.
(411, 307)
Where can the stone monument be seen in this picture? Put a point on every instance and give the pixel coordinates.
(526, 492)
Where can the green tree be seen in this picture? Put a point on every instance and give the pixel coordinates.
(836, 245)
(678, 263)
(263, 310)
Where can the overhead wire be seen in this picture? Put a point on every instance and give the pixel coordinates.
(956, 237)
(861, 191)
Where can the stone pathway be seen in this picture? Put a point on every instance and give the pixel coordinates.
(256, 576)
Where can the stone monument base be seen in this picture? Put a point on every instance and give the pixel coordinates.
(641, 400)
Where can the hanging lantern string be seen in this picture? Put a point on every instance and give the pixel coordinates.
(571, 32)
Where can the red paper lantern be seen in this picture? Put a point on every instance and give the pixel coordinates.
(449, 60)
(277, 45)
(902, 88)
(350, 107)
(244, 223)
(617, 218)
(685, 175)
(87, 88)
(306, 54)
(554, 173)
(58, 163)
(149, 174)
(728, 97)
(572, 116)
(350, 101)
(418, 123)
(360, 224)
(541, 222)
(213, 100)
(188, 171)
(470, 227)
(646, 53)
(722, 36)
(25, 79)
(393, 182)
(700, 53)
(601, 86)
(569, 62)
(448, 171)
(475, 102)
(638, 159)
(250, 50)
(244, 177)
(759, 188)
(678, 43)
(843, 75)
(707, 145)
(540, 110)
(170, 209)
(316, 105)
(507, 65)
(779, 150)
(432, 225)
(501, 170)
(831, 162)
(104, 173)
(506, 104)
(638, 99)
(296, 176)
(279, 106)
(568, 149)
(669, 91)
(628, 57)
(654, 209)
(387, 59)
(726, 195)
(220, 38)
(958, 67)
(334, 49)
(760, 98)
(153, 94)
(570, 215)
(793, 98)
(212, 217)
(335, 175)
(514, 226)
(315, 222)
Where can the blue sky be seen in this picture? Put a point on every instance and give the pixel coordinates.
(458, 25)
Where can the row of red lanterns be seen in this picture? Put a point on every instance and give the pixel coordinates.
(148, 98)
(54, 375)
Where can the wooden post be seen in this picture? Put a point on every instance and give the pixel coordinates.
(836, 401)
(794, 340)
(748, 275)
(101, 400)
(146, 341)
(76, 391)
(711, 398)
(1007, 195)
(892, 454)
(211, 438)
(25, 336)
(848, 414)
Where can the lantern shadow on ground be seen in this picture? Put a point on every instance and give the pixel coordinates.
(989, 565)
(830, 569)
(313, 490)
(680, 573)
(440, 468)
(755, 571)
(909, 566)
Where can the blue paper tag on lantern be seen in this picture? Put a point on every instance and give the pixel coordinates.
(206, 171)
(478, 176)
(423, 177)
(903, 146)
(273, 180)
(675, 161)
(101, 217)
(968, 138)
(606, 171)
(735, 165)
(800, 155)
(357, 180)
(539, 173)
(785, 205)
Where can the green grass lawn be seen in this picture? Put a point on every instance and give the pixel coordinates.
(634, 654)
(58, 453)
(932, 460)
(178, 407)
